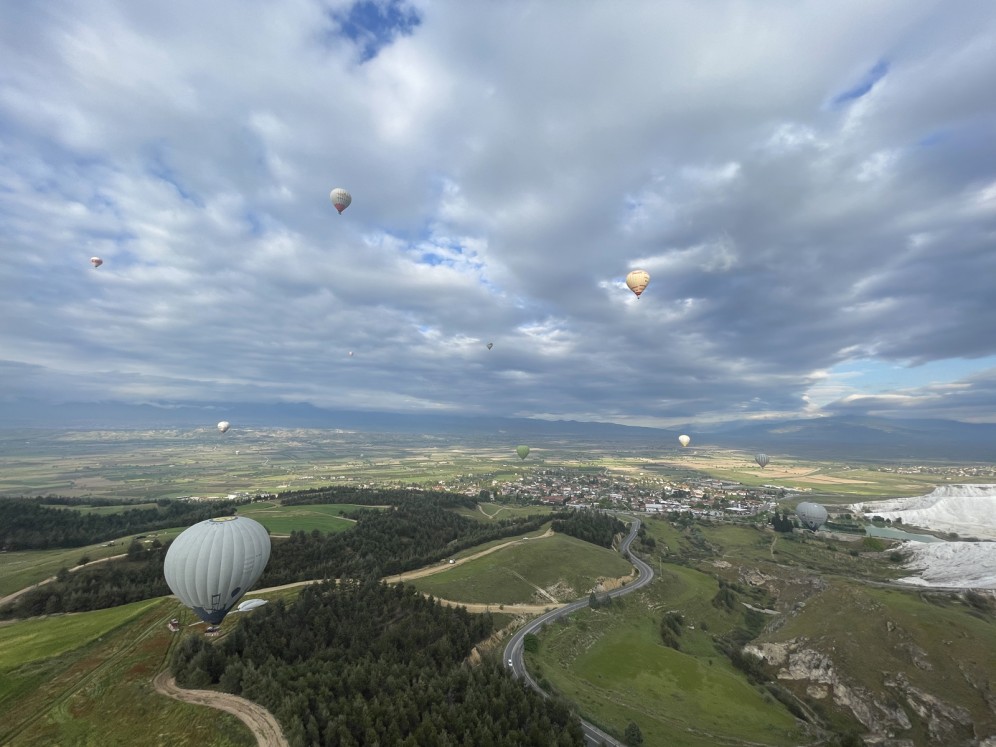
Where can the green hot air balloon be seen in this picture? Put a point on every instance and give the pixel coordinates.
(211, 565)
(522, 451)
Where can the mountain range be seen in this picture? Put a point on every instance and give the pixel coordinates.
(847, 437)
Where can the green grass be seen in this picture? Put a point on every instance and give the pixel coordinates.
(23, 568)
(279, 519)
(26, 641)
(86, 680)
(566, 567)
(613, 664)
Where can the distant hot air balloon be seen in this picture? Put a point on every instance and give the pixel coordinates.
(762, 459)
(684, 440)
(211, 565)
(96, 262)
(490, 345)
(340, 198)
(522, 451)
(224, 425)
(812, 515)
(637, 281)
(350, 353)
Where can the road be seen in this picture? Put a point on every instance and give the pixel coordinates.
(513, 651)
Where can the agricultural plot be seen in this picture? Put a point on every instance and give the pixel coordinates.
(550, 570)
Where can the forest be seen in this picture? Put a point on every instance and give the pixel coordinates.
(419, 531)
(596, 527)
(364, 663)
(25, 524)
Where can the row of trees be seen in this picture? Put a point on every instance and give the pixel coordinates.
(365, 663)
(25, 524)
(131, 579)
(592, 526)
(418, 530)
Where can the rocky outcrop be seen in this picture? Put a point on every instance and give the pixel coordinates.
(796, 660)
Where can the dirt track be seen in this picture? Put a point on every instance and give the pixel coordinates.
(260, 721)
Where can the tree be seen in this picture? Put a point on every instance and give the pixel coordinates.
(633, 736)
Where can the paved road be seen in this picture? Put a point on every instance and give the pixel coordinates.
(513, 651)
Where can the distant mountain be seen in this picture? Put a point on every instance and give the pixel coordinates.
(863, 438)
(842, 437)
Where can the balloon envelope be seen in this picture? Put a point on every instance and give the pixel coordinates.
(224, 425)
(250, 604)
(762, 459)
(96, 261)
(340, 198)
(637, 281)
(211, 565)
(684, 440)
(522, 451)
(490, 345)
(812, 515)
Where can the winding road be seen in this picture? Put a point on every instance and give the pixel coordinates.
(513, 651)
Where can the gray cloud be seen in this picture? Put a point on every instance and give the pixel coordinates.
(809, 186)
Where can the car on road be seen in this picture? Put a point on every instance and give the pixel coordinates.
(510, 662)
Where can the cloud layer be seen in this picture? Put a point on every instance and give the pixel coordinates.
(812, 188)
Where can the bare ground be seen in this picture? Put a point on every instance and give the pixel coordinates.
(260, 721)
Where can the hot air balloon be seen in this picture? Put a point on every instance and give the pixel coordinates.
(96, 262)
(812, 515)
(250, 604)
(490, 345)
(762, 459)
(211, 565)
(224, 425)
(350, 353)
(684, 440)
(522, 451)
(637, 281)
(340, 198)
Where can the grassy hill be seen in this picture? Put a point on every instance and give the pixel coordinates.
(564, 567)
(85, 680)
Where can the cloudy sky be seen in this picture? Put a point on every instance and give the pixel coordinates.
(811, 186)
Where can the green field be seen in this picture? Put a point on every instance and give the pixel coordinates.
(280, 519)
(85, 680)
(565, 567)
(611, 662)
(23, 568)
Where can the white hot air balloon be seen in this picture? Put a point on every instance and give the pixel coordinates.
(637, 281)
(340, 198)
(96, 262)
(211, 565)
(684, 440)
(812, 515)
(224, 425)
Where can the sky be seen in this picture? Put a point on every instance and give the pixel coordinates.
(811, 186)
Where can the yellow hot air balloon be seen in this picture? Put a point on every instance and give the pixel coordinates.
(637, 281)
(684, 440)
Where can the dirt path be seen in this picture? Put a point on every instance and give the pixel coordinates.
(260, 721)
(422, 572)
(50, 579)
